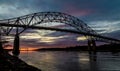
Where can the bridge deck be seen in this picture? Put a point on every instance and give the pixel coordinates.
(62, 30)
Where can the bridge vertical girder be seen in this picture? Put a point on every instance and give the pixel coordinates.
(16, 47)
(1, 47)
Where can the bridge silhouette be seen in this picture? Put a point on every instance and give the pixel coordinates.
(47, 21)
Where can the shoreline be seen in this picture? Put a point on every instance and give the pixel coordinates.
(12, 63)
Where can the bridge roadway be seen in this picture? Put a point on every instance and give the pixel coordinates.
(102, 38)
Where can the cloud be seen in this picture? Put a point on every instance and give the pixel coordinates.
(90, 10)
(114, 34)
(102, 15)
(10, 9)
(51, 40)
(105, 26)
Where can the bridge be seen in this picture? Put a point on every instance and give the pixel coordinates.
(54, 21)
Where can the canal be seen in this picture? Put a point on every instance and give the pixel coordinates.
(72, 60)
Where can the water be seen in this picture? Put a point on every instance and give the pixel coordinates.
(72, 60)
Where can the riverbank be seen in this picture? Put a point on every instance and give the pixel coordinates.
(12, 63)
(109, 48)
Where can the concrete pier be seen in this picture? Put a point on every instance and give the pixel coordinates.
(16, 44)
(91, 45)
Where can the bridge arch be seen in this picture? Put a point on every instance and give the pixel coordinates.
(37, 19)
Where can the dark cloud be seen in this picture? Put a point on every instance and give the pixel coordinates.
(92, 10)
(114, 34)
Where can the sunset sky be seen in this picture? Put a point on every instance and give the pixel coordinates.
(101, 15)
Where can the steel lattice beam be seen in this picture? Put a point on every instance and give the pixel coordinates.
(35, 20)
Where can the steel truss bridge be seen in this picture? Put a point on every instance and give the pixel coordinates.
(47, 21)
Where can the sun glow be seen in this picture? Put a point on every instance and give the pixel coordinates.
(41, 38)
(23, 48)
(81, 38)
(50, 39)
(28, 49)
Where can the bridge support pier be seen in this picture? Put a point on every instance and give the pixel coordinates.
(1, 47)
(16, 47)
(91, 45)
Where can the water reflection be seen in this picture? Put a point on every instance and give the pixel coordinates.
(93, 61)
(68, 61)
(73, 61)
